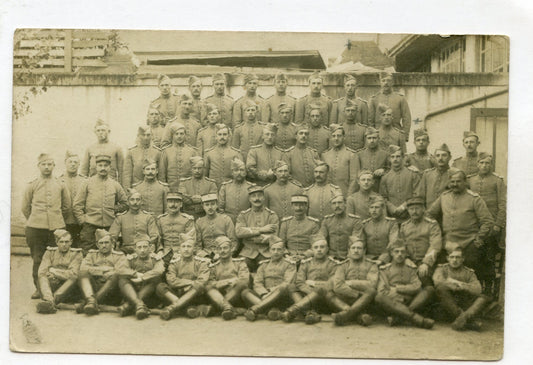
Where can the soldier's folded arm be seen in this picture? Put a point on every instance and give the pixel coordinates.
(174, 281)
(435, 245)
(412, 288)
(157, 271)
(341, 286)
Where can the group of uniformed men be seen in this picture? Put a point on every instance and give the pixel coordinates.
(286, 207)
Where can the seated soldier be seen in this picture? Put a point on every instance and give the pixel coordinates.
(314, 280)
(459, 291)
(228, 278)
(58, 272)
(186, 277)
(99, 272)
(355, 283)
(272, 282)
(138, 282)
(399, 289)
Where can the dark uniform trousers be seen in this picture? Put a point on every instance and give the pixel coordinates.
(38, 239)
(75, 230)
(87, 238)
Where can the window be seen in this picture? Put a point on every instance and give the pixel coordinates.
(452, 56)
(494, 54)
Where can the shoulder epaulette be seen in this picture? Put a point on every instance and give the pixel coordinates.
(264, 261)
(335, 261)
(201, 259)
(279, 148)
(117, 252)
(469, 269)
(162, 183)
(157, 148)
(313, 149)
(146, 212)
(366, 220)
(289, 149)
(293, 124)
(335, 186)
(187, 215)
(248, 182)
(93, 250)
(313, 219)
(383, 267)
(430, 220)
(285, 219)
(137, 183)
(267, 186)
(162, 215)
(227, 182)
(155, 256)
(326, 128)
(337, 100)
(210, 148)
(344, 261)
(269, 210)
(213, 264)
(51, 248)
(410, 264)
(363, 100)
(390, 219)
(175, 259)
(209, 179)
(237, 259)
(131, 256)
(32, 181)
(329, 149)
(246, 211)
(132, 147)
(329, 215)
(353, 215)
(370, 260)
(75, 249)
(472, 193)
(495, 174)
(256, 146)
(201, 129)
(286, 259)
(351, 149)
(458, 158)
(359, 150)
(430, 169)
(296, 182)
(122, 213)
(471, 175)
(443, 265)
(235, 149)
(309, 187)
(306, 260)
(398, 129)
(163, 148)
(186, 178)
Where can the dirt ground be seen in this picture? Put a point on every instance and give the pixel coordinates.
(107, 333)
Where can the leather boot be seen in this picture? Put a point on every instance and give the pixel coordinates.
(422, 322)
(46, 307)
(268, 301)
(91, 308)
(461, 321)
(312, 317)
(422, 298)
(46, 291)
(141, 311)
(249, 297)
(108, 286)
(354, 310)
(335, 303)
(132, 300)
(167, 312)
(228, 312)
(404, 312)
(298, 307)
(447, 301)
(62, 292)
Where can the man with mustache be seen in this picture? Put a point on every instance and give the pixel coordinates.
(318, 132)
(355, 132)
(167, 103)
(72, 181)
(468, 163)
(194, 187)
(321, 193)
(221, 100)
(301, 158)
(198, 105)
(315, 96)
(286, 135)
(143, 150)
(184, 118)
(153, 191)
(340, 159)
(251, 82)
(218, 158)
(233, 194)
(338, 109)
(421, 159)
(262, 158)
(278, 194)
(270, 107)
(371, 158)
(250, 132)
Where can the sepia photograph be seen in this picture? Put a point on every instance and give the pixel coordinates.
(259, 194)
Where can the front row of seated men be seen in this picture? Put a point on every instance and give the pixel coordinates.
(194, 286)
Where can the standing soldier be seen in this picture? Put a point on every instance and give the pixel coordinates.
(318, 132)
(401, 115)
(302, 159)
(371, 158)
(270, 107)
(389, 135)
(192, 188)
(223, 102)
(97, 201)
(336, 228)
(157, 125)
(355, 132)
(143, 150)
(58, 272)
(72, 181)
(277, 194)
(212, 226)
(340, 159)
(251, 82)
(198, 105)
(184, 119)
(285, 137)
(468, 163)
(359, 202)
(132, 223)
(421, 159)
(250, 132)
(355, 283)
(254, 226)
(218, 159)
(339, 105)
(262, 158)
(166, 103)
(314, 97)
(103, 147)
(321, 193)
(298, 230)
(153, 191)
(206, 138)
(175, 159)
(233, 194)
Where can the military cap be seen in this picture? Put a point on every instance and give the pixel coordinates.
(280, 163)
(280, 76)
(209, 197)
(219, 76)
(174, 127)
(220, 126)
(209, 107)
(420, 132)
(250, 77)
(195, 160)
(382, 108)
(236, 163)
(318, 238)
(483, 156)
(370, 131)
(69, 154)
(100, 122)
(354, 239)
(337, 195)
(271, 127)
(364, 172)
(174, 195)
(333, 127)
(467, 134)
(255, 188)
(320, 163)
(415, 200)
(221, 240)
(314, 75)
(193, 79)
(376, 199)
(131, 192)
(101, 233)
(393, 149)
(142, 129)
(350, 104)
(161, 78)
(443, 147)
(185, 97)
(299, 198)
(273, 239)
(44, 157)
(148, 161)
(398, 243)
(250, 104)
(103, 158)
(284, 106)
(60, 233)
(349, 77)
(301, 127)
(314, 107)
(141, 238)
(384, 75)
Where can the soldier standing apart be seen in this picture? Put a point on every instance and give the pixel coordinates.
(250, 132)
(371, 158)
(358, 203)
(355, 283)
(285, 137)
(103, 147)
(153, 191)
(218, 159)
(278, 194)
(340, 159)
(302, 159)
(262, 158)
(166, 103)
(339, 105)
(207, 135)
(401, 115)
(233, 194)
(355, 132)
(421, 159)
(138, 282)
(321, 193)
(157, 125)
(318, 133)
(99, 272)
(272, 283)
(399, 289)
(270, 107)
(459, 292)
(192, 188)
(251, 82)
(198, 105)
(184, 118)
(468, 163)
(98, 200)
(136, 155)
(58, 272)
(72, 181)
(223, 102)
(314, 97)
(254, 226)
(389, 135)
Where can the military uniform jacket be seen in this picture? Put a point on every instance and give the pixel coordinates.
(359, 203)
(391, 136)
(493, 191)
(167, 106)
(285, 136)
(319, 199)
(302, 108)
(224, 104)
(338, 115)
(233, 268)
(366, 271)
(88, 163)
(133, 164)
(319, 270)
(206, 138)
(198, 110)
(367, 159)
(302, 162)
(247, 228)
(193, 268)
(218, 162)
(238, 110)
(378, 234)
(318, 138)
(73, 184)
(260, 160)
(278, 197)
(342, 168)
(270, 112)
(171, 226)
(208, 229)
(271, 274)
(233, 198)
(433, 183)
(399, 186)
(403, 277)
(465, 217)
(130, 225)
(175, 163)
(191, 131)
(336, 229)
(463, 274)
(45, 203)
(151, 267)
(297, 233)
(468, 164)
(401, 115)
(246, 135)
(97, 264)
(158, 131)
(68, 262)
(190, 187)
(423, 239)
(354, 135)
(154, 194)
(98, 200)
(421, 162)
